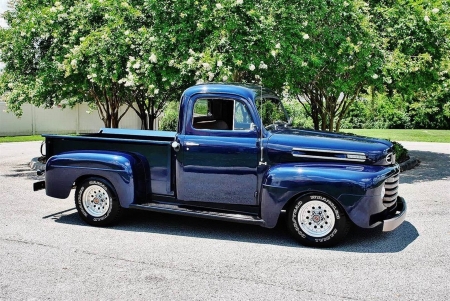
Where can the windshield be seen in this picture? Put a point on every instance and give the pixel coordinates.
(272, 112)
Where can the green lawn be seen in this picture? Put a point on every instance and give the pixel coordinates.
(21, 138)
(405, 135)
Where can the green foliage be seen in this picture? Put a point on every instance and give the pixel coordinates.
(377, 111)
(300, 118)
(169, 119)
(143, 53)
(270, 112)
(401, 153)
(201, 107)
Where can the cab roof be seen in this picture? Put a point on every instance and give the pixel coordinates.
(249, 91)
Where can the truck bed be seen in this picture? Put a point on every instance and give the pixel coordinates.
(155, 146)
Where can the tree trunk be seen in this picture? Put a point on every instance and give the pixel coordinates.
(151, 122)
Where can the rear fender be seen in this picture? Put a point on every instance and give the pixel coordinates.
(353, 186)
(127, 172)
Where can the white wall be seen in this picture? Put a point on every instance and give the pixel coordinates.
(36, 121)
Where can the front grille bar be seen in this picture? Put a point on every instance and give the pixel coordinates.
(391, 186)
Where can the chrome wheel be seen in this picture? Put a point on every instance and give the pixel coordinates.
(316, 218)
(96, 200)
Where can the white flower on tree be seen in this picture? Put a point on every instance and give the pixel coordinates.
(153, 58)
(251, 67)
(219, 6)
(206, 66)
(306, 36)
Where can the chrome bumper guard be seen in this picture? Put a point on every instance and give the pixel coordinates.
(397, 217)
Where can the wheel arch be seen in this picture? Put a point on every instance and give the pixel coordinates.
(284, 183)
(118, 168)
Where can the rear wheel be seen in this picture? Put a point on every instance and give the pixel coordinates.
(315, 220)
(97, 202)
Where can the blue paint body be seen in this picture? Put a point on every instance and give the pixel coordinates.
(221, 168)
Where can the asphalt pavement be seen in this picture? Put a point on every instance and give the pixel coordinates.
(48, 253)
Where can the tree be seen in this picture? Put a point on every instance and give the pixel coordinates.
(143, 53)
(188, 42)
(330, 53)
(65, 54)
(417, 55)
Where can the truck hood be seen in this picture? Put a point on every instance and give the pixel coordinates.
(298, 145)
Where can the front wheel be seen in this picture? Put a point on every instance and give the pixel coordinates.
(317, 221)
(97, 202)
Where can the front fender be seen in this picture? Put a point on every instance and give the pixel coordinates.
(125, 171)
(357, 188)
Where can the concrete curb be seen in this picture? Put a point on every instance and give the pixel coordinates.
(409, 164)
(36, 165)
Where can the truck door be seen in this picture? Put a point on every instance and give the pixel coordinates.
(218, 156)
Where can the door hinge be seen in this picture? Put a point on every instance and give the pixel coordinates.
(256, 194)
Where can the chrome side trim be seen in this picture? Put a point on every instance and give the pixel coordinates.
(327, 157)
(192, 144)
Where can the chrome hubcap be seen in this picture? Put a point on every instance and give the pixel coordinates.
(316, 218)
(96, 200)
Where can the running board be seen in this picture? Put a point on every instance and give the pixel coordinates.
(173, 209)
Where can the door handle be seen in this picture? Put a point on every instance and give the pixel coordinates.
(176, 146)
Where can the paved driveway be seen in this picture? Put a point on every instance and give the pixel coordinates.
(48, 253)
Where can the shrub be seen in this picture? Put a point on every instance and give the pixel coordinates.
(401, 153)
(169, 119)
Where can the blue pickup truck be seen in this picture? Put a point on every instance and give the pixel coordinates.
(234, 157)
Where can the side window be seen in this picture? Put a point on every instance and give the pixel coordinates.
(242, 117)
(212, 114)
(221, 114)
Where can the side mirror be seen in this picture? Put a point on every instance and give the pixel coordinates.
(253, 127)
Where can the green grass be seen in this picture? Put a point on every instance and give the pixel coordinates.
(404, 135)
(21, 138)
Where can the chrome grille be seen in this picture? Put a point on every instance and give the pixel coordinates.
(391, 186)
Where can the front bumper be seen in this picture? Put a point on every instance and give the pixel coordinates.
(396, 217)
